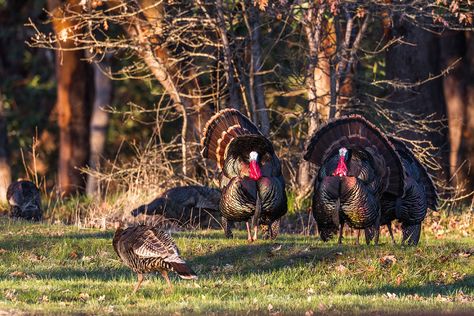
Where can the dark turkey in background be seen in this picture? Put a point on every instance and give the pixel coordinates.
(24, 199)
(357, 164)
(253, 188)
(411, 208)
(185, 205)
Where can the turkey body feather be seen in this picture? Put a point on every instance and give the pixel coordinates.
(419, 194)
(146, 249)
(357, 164)
(24, 199)
(232, 140)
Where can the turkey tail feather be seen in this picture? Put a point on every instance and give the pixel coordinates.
(425, 178)
(221, 130)
(183, 271)
(351, 131)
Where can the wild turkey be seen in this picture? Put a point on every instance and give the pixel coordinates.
(356, 164)
(253, 188)
(25, 200)
(420, 194)
(146, 249)
(184, 204)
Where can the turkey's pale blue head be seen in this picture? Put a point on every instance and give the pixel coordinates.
(343, 152)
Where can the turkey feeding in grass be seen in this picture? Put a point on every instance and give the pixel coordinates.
(420, 194)
(146, 249)
(253, 188)
(357, 164)
(24, 199)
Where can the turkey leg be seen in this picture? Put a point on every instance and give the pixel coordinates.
(170, 286)
(139, 283)
(256, 216)
(249, 234)
(389, 226)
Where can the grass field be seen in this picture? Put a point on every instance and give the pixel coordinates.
(55, 268)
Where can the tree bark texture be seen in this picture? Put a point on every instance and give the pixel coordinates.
(73, 95)
(5, 172)
(458, 90)
(98, 124)
(415, 63)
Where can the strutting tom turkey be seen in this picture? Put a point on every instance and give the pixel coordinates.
(146, 249)
(356, 165)
(419, 194)
(24, 199)
(253, 189)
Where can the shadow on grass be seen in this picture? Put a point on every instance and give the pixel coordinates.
(426, 290)
(65, 273)
(262, 258)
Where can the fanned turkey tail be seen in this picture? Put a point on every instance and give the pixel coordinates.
(356, 132)
(228, 132)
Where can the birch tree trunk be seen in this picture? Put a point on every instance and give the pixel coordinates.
(98, 125)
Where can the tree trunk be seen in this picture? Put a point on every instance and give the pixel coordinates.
(99, 123)
(72, 106)
(234, 96)
(415, 64)
(319, 35)
(468, 133)
(5, 172)
(256, 87)
(453, 48)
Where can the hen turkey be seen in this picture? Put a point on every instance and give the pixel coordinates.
(356, 164)
(253, 188)
(419, 195)
(24, 199)
(184, 204)
(146, 249)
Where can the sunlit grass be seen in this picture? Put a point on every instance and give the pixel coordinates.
(66, 269)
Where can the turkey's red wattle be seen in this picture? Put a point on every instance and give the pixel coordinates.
(254, 172)
(341, 169)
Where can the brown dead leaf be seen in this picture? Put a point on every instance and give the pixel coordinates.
(2, 251)
(18, 274)
(388, 261)
(341, 268)
(399, 280)
(83, 297)
(309, 313)
(10, 295)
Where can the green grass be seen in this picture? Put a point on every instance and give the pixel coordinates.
(66, 269)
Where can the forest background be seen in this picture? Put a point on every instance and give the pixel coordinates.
(102, 103)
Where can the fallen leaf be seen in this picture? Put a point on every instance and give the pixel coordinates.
(10, 295)
(101, 298)
(270, 307)
(43, 299)
(388, 260)
(2, 251)
(84, 296)
(399, 280)
(18, 274)
(309, 313)
(341, 268)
